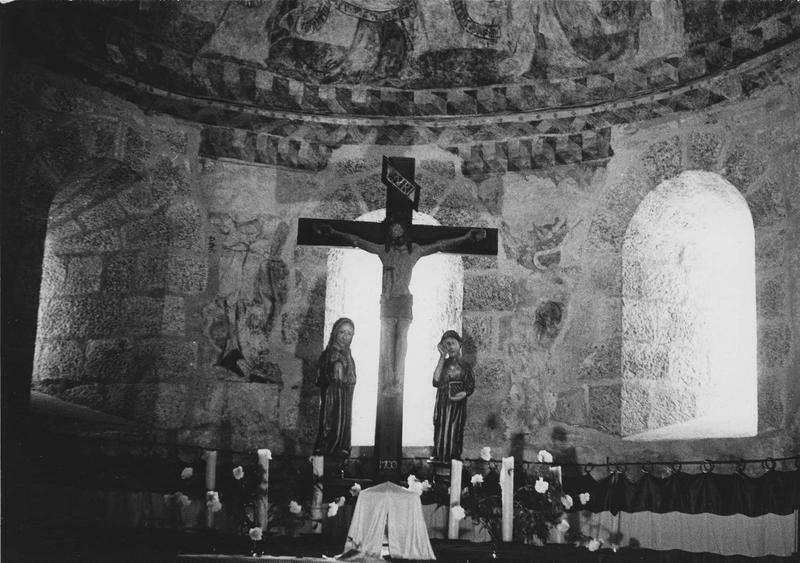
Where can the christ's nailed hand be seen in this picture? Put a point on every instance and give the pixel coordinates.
(477, 235)
(322, 229)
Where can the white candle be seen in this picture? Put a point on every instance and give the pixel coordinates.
(556, 470)
(507, 497)
(455, 498)
(211, 481)
(318, 469)
(211, 470)
(262, 504)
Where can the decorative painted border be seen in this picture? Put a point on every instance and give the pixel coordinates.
(315, 22)
(489, 31)
(727, 85)
(242, 83)
(407, 10)
(490, 157)
(488, 143)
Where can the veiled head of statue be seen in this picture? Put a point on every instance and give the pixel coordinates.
(342, 333)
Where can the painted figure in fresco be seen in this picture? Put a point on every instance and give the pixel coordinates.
(336, 378)
(454, 382)
(399, 254)
(251, 292)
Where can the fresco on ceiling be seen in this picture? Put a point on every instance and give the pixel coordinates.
(409, 43)
(252, 287)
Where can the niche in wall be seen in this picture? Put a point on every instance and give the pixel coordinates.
(689, 313)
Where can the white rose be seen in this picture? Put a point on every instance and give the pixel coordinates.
(426, 486)
(544, 457)
(333, 509)
(295, 508)
(355, 489)
(584, 497)
(477, 479)
(458, 512)
(567, 501)
(255, 533)
(238, 472)
(593, 545)
(341, 501)
(486, 453)
(541, 485)
(187, 473)
(562, 526)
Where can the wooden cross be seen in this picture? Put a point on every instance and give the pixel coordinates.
(402, 198)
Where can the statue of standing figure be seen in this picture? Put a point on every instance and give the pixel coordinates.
(336, 378)
(454, 382)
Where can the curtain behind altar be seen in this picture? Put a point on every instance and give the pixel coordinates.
(774, 492)
(769, 534)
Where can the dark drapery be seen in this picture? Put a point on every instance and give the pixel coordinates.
(775, 492)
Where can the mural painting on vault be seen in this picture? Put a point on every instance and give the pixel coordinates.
(252, 288)
(405, 42)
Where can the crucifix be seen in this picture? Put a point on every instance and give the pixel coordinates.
(399, 245)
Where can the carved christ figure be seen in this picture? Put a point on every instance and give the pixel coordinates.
(399, 254)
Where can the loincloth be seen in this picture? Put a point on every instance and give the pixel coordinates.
(397, 307)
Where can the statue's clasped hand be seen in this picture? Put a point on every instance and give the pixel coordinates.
(477, 235)
(322, 229)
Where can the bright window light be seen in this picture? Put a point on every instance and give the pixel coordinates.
(689, 313)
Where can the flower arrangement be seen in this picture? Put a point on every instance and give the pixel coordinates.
(481, 501)
(539, 501)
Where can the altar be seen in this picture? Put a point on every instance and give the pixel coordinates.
(388, 514)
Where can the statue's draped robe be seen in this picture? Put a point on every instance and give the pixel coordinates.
(449, 417)
(336, 401)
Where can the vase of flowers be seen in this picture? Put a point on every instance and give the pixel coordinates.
(255, 534)
(539, 502)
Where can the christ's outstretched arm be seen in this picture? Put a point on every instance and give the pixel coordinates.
(326, 230)
(474, 235)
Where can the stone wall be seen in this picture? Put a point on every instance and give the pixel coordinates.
(160, 265)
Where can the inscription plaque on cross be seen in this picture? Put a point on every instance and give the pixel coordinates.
(399, 244)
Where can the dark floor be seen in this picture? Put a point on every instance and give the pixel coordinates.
(67, 545)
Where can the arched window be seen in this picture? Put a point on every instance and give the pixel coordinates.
(353, 290)
(689, 313)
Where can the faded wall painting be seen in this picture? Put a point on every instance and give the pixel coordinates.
(252, 289)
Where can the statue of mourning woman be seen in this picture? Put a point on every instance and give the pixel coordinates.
(454, 382)
(336, 378)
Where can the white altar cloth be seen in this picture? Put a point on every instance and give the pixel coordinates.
(389, 511)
